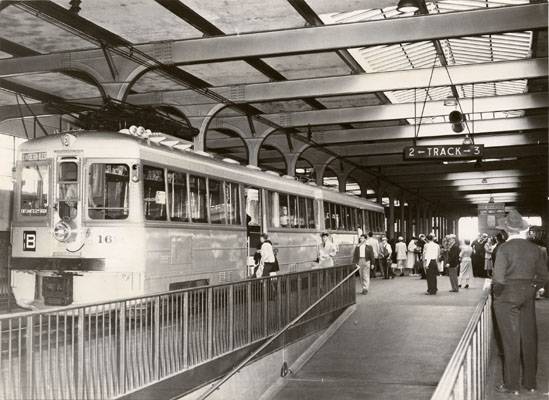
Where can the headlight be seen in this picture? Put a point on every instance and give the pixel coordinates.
(61, 231)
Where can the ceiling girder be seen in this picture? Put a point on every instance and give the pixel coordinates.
(312, 39)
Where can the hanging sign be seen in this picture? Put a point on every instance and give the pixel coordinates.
(443, 152)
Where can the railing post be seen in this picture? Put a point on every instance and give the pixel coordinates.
(309, 288)
(288, 297)
(298, 294)
(264, 289)
(279, 301)
(185, 329)
(210, 322)
(80, 356)
(156, 340)
(29, 358)
(231, 317)
(122, 346)
(249, 304)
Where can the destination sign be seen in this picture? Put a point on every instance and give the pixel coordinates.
(443, 152)
(37, 156)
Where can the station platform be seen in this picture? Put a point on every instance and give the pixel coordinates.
(395, 346)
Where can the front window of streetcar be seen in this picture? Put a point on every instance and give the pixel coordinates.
(34, 189)
(68, 189)
(108, 187)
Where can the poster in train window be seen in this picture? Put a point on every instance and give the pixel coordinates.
(34, 189)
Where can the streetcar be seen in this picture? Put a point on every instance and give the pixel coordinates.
(101, 215)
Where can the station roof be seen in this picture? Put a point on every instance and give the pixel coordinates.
(349, 83)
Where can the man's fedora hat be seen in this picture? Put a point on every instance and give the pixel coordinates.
(513, 222)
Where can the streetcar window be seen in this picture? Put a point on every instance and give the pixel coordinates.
(197, 191)
(353, 219)
(232, 198)
(302, 215)
(68, 189)
(177, 195)
(154, 191)
(310, 213)
(253, 207)
(34, 189)
(216, 202)
(284, 210)
(360, 219)
(327, 216)
(293, 211)
(108, 191)
(273, 209)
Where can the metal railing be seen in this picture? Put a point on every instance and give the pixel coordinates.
(301, 316)
(105, 350)
(466, 374)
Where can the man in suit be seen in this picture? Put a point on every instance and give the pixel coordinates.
(431, 253)
(452, 262)
(520, 269)
(363, 257)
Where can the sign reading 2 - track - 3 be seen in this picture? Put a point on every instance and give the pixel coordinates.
(444, 152)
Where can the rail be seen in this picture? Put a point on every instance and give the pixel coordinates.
(254, 354)
(466, 373)
(106, 350)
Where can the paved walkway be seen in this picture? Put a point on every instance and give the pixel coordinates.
(496, 372)
(395, 346)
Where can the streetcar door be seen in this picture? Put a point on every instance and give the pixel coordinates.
(254, 217)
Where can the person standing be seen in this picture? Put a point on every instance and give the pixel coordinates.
(488, 249)
(452, 263)
(374, 244)
(326, 251)
(363, 257)
(411, 256)
(419, 250)
(431, 253)
(478, 254)
(466, 264)
(385, 252)
(267, 256)
(501, 237)
(520, 268)
(401, 256)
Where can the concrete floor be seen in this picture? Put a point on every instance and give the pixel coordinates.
(496, 372)
(395, 346)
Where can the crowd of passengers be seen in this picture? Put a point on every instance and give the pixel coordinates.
(386, 258)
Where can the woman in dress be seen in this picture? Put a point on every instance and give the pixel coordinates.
(411, 255)
(326, 251)
(466, 266)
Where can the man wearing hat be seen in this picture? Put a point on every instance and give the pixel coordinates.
(519, 269)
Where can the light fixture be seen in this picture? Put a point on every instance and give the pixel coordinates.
(491, 200)
(450, 101)
(407, 6)
(484, 180)
(467, 141)
(456, 119)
